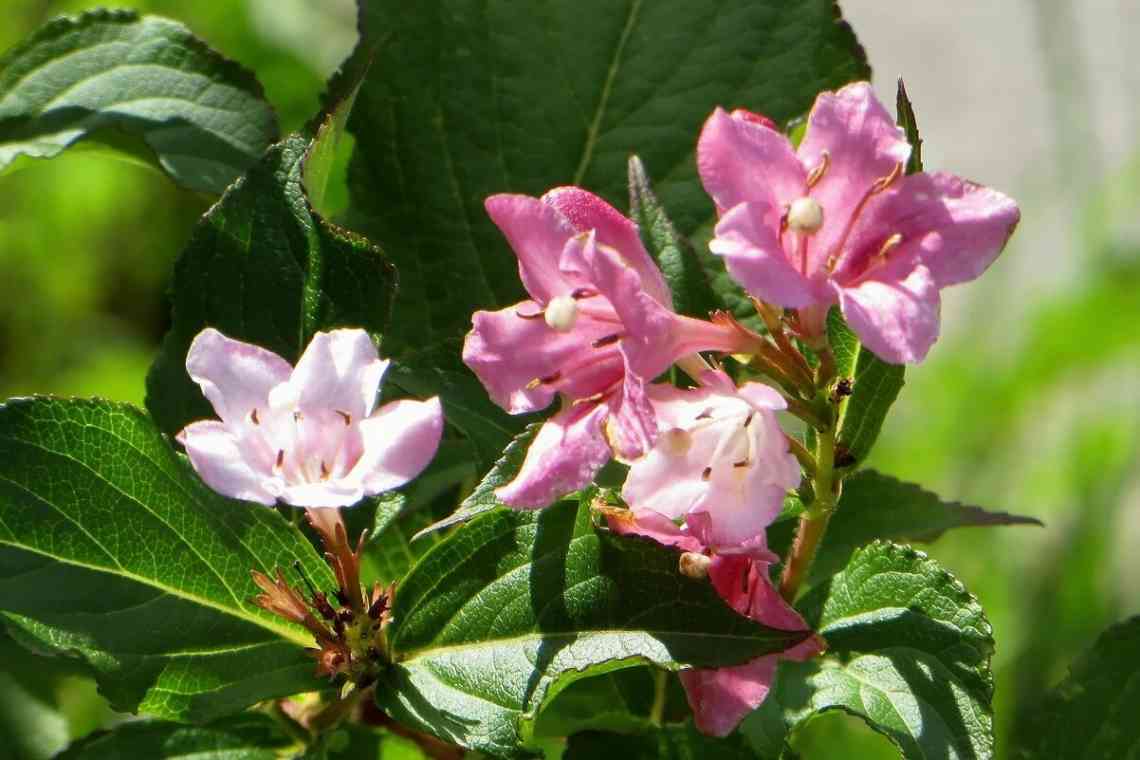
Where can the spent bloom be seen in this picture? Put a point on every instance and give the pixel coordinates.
(598, 325)
(836, 221)
(308, 435)
(721, 461)
(721, 697)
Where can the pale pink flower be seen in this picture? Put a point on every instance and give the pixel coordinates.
(721, 697)
(837, 222)
(598, 326)
(308, 435)
(720, 462)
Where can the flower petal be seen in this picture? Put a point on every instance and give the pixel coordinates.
(568, 451)
(721, 698)
(400, 440)
(332, 493)
(507, 352)
(652, 525)
(586, 212)
(896, 317)
(748, 238)
(743, 161)
(339, 370)
(216, 455)
(955, 227)
(632, 426)
(536, 232)
(236, 377)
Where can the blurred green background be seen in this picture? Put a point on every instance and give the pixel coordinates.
(1030, 403)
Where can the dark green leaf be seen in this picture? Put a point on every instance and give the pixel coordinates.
(482, 499)
(673, 252)
(874, 387)
(469, 98)
(671, 742)
(250, 736)
(264, 268)
(112, 550)
(873, 506)
(908, 652)
(622, 702)
(203, 118)
(905, 118)
(515, 605)
(1092, 713)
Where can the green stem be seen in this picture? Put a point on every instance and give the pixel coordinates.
(660, 692)
(813, 524)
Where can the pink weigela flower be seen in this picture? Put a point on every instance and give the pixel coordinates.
(721, 697)
(721, 461)
(836, 221)
(308, 435)
(598, 326)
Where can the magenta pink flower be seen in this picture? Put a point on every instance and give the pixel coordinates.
(306, 435)
(721, 461)
(598, 325)
(721, 697)
(836, 221)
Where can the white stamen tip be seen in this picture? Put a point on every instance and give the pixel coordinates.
(561, 314)
(695, 565)
(284, 396)
(805, 215)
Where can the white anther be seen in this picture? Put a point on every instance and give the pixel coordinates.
(695, 565)
(561, 314)
(284, 396)
(805, 215)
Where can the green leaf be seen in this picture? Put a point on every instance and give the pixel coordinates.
(112, 550)
(622, 701)
(516, 605)
(673, 252)
(670, 742)
(877, 506)
(483, 498)
(250, 736)
(438, 371)
(1092, 713)
(107, 74)
(908, 652)
(264, 268)
(468, 98)
(905, 118)
(875, 385)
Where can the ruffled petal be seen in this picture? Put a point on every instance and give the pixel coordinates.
(632, 425)
(863, 144)
(896, 317)
(954, 227)
(568, 451)
(400, 440)
(536, 232)
(586, 212)
(339, 370)
(333, 493)
(743, 161)
(216, 455)
(721, 698)
(508, 351)
(236, 377)
(653, 525)
(748, 238)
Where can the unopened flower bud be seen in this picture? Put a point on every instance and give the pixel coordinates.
(805, 215)
(694, 565)
(561, 314)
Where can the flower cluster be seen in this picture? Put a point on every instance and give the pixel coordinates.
(833, 222)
